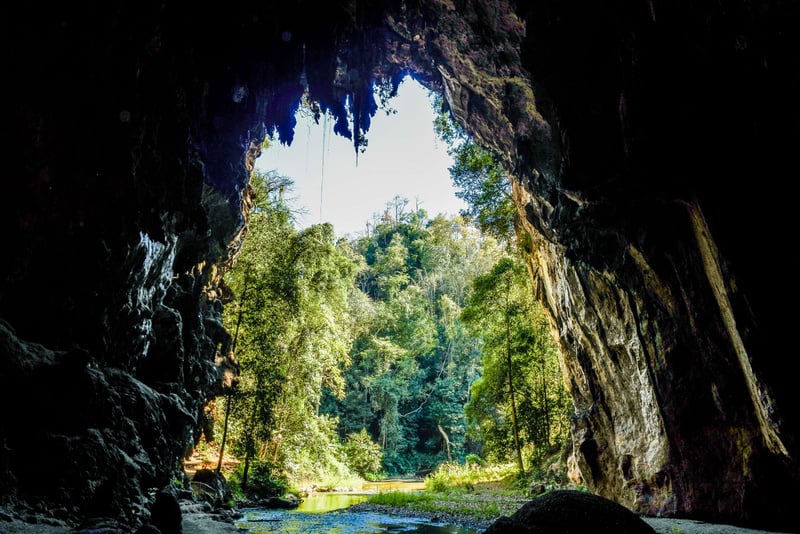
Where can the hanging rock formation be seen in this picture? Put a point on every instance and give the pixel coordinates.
(649, 146)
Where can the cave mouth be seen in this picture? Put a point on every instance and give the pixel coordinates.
(403, 157)
(135, 129)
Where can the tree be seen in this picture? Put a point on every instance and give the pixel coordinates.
(496, 309)
(258, 278)
(292, 328)
(519, 400)
(363, 455)
(413, 360)
(479, 178)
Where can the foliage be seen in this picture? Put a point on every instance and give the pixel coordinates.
(519, 404)
(412, 360)
(264, 480)
(451, 476)
(400, 498)
(291, 335)
(551, 469)
(479, 178)
(363, 455)
(391, 353)
(473, 459)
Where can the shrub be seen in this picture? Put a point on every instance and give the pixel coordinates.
(264, 480)
(363, 455)
(473, 459)
(452, 475)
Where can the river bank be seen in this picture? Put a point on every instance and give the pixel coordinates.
(471, 510)
(659, 524)
(461, 510)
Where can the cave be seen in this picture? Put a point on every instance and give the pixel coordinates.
(649, 146)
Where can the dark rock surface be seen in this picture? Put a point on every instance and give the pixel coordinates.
(648, 145)
(571, 512)
(211, 487)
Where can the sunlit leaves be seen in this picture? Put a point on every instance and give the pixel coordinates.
(479, 179)
(516, 343)
(290, 317)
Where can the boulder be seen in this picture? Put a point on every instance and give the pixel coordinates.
(211, 487)
(571, 512)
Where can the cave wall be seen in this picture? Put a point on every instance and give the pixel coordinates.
(647, 146)
(650, 248)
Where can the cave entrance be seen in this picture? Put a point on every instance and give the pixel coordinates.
(404, 160)
(357, 356)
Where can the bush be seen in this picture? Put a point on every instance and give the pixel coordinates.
(451, 476)
(264, 480)
(473, 459)
(363, 455)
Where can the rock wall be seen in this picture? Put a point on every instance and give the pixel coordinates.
(646, 145)
(649, 247)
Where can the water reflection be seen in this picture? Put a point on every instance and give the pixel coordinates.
(257, 521)
(327, 502)
(326, 513)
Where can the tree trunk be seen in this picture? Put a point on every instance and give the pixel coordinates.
(228, 403)
(511, 390)
(250, 444)
(445, 439)
(546, 405)
(230, 393)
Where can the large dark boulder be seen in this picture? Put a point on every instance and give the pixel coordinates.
(165, 514)
(571, 512)
(211, 487)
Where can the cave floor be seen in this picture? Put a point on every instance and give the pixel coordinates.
(198, 522)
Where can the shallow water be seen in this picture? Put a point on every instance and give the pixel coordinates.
(326, 513)
(257, 521)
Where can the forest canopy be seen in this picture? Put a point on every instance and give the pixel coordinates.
(414, 345)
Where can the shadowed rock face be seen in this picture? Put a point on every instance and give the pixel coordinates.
(647, 147)
(571, 511)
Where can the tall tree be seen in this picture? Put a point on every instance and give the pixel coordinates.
(291, 320)
(519, 400)
(413, 361)
(258, 279)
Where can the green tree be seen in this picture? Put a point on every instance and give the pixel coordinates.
(519, 399)
(413, 360)
(260, 281)
(290, 315)
(363, 455)
(479, 178)
(496, 309)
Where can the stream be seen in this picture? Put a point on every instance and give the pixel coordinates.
(326, 513)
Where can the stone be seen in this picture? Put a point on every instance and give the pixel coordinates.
(211, 487)
(165, 513)
(569, 511)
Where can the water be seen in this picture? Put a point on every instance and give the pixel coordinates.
(326, 513)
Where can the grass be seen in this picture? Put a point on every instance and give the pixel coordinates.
(450, 477)
(468, 494)
(481, 506)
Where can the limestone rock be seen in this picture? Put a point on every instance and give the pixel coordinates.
(571, 512)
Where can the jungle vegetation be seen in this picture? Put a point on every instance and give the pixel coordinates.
(415, 345)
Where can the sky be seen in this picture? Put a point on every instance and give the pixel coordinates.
(403, 157)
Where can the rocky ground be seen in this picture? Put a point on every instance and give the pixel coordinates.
(660, 525)
(200, 519)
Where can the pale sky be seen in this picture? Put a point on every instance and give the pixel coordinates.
(403, 157)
